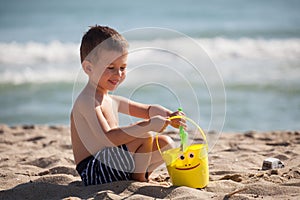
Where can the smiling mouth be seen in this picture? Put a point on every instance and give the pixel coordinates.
(114, 82)
(188, 168)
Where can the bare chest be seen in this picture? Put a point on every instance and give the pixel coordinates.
(110, 111)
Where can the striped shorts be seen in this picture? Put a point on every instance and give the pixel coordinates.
(108, 165)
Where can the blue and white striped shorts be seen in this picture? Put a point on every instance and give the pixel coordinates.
(108, 165)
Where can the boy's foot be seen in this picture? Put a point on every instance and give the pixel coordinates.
(142, 177)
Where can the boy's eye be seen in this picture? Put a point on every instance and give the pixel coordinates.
(111, 67)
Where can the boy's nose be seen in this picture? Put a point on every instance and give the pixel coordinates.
(118, 72)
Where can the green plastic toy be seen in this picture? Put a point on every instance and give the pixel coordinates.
(183, 136)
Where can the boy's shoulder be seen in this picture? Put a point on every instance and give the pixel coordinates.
(83, 101)
(118, 98)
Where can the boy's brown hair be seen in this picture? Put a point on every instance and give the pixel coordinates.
(97, 35)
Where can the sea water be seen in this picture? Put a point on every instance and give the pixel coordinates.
(251, 48)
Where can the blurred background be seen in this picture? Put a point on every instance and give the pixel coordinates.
(253, 45)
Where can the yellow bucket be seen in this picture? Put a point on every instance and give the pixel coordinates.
(188, 168)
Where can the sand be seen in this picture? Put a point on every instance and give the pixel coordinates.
(36, 162)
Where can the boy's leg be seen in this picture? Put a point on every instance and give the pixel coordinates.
(141, 149)
(165, 143)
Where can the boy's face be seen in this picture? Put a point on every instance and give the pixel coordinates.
(113, 68)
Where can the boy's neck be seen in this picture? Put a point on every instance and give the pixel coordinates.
(96, 89)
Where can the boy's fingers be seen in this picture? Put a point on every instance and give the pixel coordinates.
(181, 113)
(177, 113)
(167, 122)
(183, 120)
(181, 123)
(178, 121)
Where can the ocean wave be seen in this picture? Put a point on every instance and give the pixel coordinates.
(57, 61)
(56, 51)
(288, 49)
(14, 53)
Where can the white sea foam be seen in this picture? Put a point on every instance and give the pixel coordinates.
(35, 53)
(58, 61)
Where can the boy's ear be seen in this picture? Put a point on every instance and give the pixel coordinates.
(87, 66)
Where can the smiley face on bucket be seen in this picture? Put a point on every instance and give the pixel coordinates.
(187, 161)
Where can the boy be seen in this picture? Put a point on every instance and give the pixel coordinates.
(103, 151)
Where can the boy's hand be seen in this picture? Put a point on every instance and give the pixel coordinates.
(179, 121)
(159, 123)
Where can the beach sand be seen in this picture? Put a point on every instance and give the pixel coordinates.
(36, 162)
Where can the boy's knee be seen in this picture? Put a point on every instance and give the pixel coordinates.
(150, 137)
(147, 138)
(166, 141)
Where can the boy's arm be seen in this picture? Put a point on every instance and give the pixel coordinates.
(97, 124)
(140, 110)
(145, 111)
(121, 135)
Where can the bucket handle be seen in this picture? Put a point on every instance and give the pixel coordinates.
(188, 119)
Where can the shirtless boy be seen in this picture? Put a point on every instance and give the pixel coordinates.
(104, 151)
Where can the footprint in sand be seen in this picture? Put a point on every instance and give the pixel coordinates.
(44, 162)
(234, 177)
(55, 179)
(35, 139)
(59, 170)
(282, 157)
(285, 144)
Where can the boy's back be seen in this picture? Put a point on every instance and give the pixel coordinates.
(92, 142)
